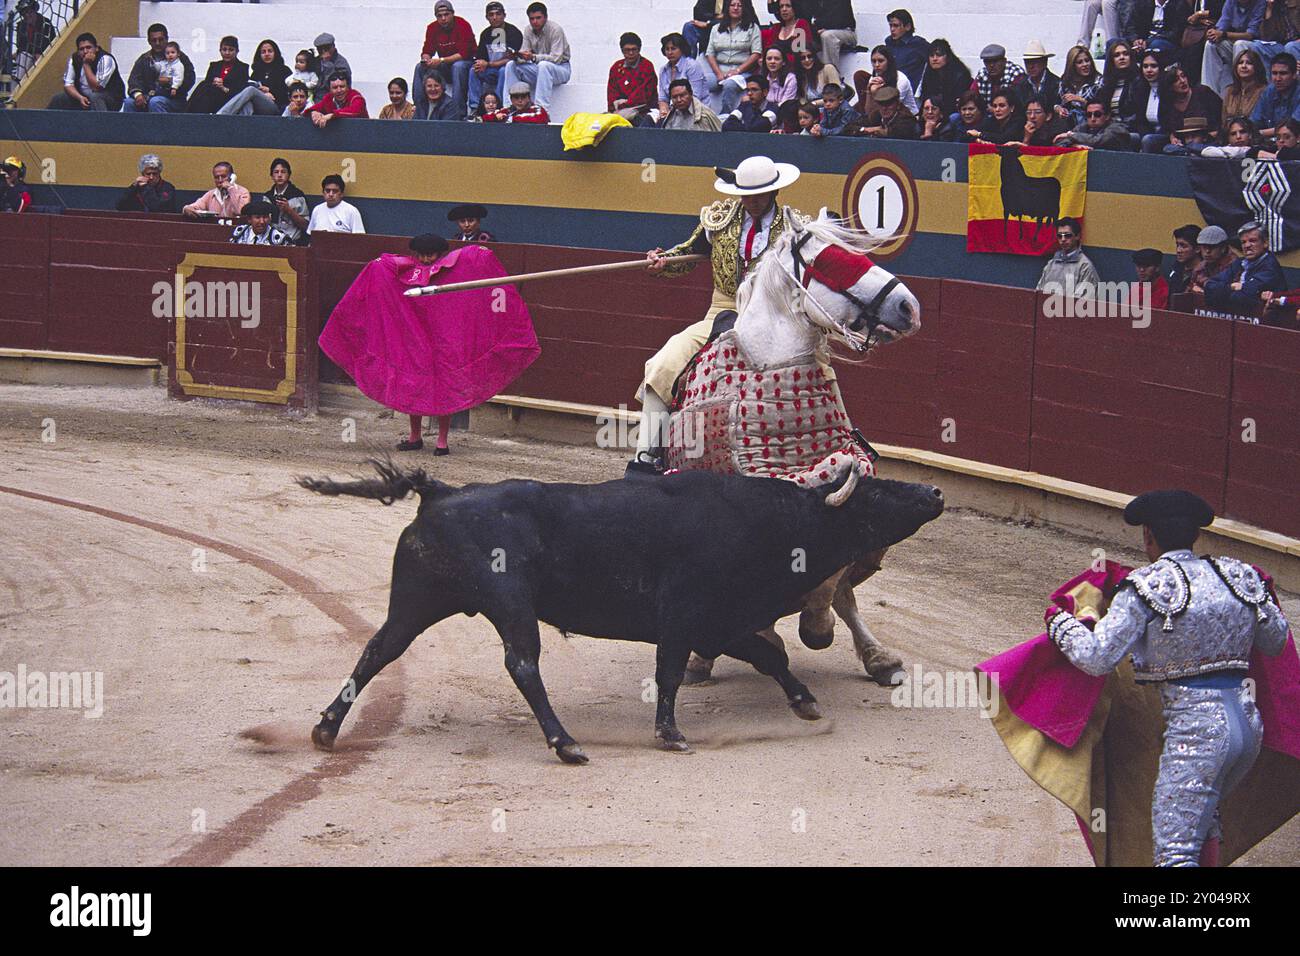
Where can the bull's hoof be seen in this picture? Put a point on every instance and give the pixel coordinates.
(805, 708)
(817, 640)
(571, 753)
(884, 667)
(322, 738)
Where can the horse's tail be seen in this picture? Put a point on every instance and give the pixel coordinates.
(393, 484)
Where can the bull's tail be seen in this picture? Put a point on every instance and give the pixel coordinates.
(393, 484)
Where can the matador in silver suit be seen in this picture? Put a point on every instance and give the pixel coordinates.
(1190, 625)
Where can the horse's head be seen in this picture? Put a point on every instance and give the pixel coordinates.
(844, 292)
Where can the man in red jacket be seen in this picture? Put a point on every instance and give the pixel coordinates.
(449, 46)
(342, 100)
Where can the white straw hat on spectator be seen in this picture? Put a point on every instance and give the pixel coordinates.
(1034, 50)
(755, 175)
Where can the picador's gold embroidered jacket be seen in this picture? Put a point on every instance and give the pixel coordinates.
(719, 228)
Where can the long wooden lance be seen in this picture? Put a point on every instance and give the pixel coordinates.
(549, 274)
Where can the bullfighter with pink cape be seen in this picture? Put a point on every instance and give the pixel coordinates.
(432, 355)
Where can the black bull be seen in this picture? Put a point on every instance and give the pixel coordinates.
(693, 562)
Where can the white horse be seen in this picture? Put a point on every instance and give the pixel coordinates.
(815, 285)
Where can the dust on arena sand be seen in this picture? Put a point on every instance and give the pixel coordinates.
(230, 617)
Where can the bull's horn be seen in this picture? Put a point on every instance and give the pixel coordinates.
(841, 495)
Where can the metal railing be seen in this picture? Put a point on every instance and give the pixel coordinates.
(28, 29)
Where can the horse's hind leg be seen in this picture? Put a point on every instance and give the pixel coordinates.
(880, 663)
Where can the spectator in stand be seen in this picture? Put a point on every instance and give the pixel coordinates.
(522, 109)
(305, 66)
(945, 77)
(632, 86)
(1117, 81)
(1042, 123)
(735, 47)
(1004, 124)
(835, 115)
(1237, 29)
(270, 95)
(885, 72)
(153, 86)
(298, 100)
(704, 17)
(289, 211)
(1249, 79)
(226, 77)
(33, 34)
(790, 34)
(14, 196)
(435, 103)
(971, 112)
(1079, 83)
(1280, 30)
(342, 101)
(1038, 80)
(787, 119)
(1282, 98)
(1147, 89)
(934, 120)
(1099, 130)
(679, 66)
(1180, 102)
(836, 30)
(686, 111)
(1241, 141)
(1216, 257)
(1238, 288)
(909, 51)
(398, 106)
(1069, 271)
(753, 115)
(1288, 141)
(224, 200)
(497, 46)
(334, 214)
(1151, 290)
(1111, 21)
(812, 76)
(997, 72)
(1186, 258)
(1158, 25)
(1194, 137)
(449, 52)
(91, 80)
(256, 230)
(468, 218)
(328, 62)
(891, 119)
(782, 85)
(489, 103)
(808, 115)
(543, 60)
(150, 192)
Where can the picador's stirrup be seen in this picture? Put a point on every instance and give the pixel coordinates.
(646, 464)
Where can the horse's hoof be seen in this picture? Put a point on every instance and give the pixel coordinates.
(674, 746)
(322, 738)
(816, 640)
(806, 709)
(886, 674)
(571, 753)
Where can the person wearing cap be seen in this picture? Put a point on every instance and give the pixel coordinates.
(892, 120)
(1038, 80)
(329, 61)
(91, 80)
(150, 192)
(1215, 256)
(224, 200)
(522, 109)
(497, 46)
(33, 34)
(1099, 130)
(341, 100)
(1191, 139)
(1190, 625)
(468, 218)
(1186, 258)
(910, 51)
(1151, 290)
(448, 51)
(256, 230)
(753, 115)
(14, 196)
(1239, 288)
(734, 232)
(543, 59)
(997, 72)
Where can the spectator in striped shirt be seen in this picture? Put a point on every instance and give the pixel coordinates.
(91, 80)
(632, 82)
(257, 229)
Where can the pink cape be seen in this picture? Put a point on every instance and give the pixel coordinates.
(432, 355)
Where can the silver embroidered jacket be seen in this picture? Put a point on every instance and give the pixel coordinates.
(1179, 617)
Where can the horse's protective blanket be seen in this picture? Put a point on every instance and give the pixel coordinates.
(777, 421)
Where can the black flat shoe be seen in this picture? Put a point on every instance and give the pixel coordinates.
(442, 451)
(407, 445)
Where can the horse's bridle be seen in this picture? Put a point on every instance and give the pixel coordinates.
(868, 312)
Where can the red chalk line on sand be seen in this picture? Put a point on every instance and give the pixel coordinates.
(377, 719)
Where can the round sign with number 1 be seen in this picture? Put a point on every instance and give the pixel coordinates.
(880, 198)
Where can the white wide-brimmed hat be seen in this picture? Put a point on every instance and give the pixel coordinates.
(755, 175)
(1035, 50)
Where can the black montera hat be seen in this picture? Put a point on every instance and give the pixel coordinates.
(1156, 506)
(428, 244)
(467, 210)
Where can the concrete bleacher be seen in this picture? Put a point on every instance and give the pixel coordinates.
(382, 38)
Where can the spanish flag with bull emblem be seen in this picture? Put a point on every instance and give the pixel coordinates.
(1016, 194)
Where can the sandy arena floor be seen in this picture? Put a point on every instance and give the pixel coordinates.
(442, 762)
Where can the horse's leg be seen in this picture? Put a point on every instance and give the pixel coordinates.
(880, 663)
(816, 623)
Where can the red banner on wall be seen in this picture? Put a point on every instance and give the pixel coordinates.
(1016, 194)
